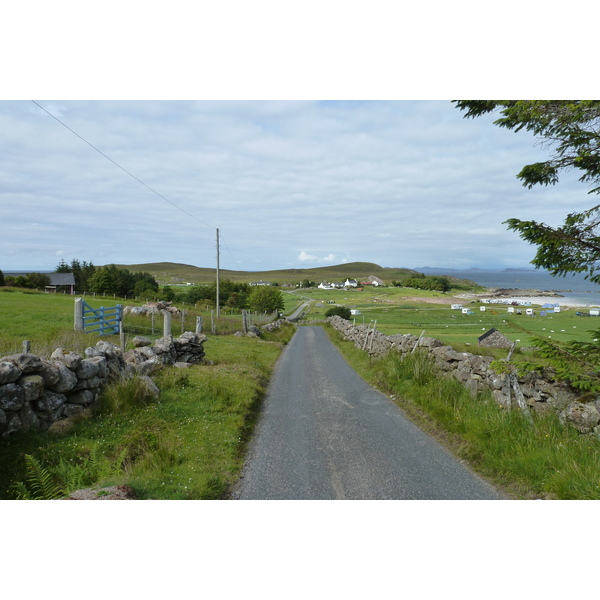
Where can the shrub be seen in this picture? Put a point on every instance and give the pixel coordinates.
(340, 311)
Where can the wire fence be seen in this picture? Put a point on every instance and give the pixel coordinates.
(153, 324)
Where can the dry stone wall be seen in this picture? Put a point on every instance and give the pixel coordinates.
(35, 392)
(542, 391)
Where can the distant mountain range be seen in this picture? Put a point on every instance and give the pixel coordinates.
(472, 269)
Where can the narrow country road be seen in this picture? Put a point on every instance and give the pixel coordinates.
(324, 433)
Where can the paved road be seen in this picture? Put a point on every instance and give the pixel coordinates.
(325, 434)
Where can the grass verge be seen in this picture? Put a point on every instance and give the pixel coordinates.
(547, 460)
(188, 444)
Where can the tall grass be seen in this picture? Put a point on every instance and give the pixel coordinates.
(187, 444)
(548, 460)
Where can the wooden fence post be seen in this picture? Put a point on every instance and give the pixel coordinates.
(245, 321)
(78, 314)
(167, 323)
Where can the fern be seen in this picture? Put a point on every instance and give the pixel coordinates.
(39, 483)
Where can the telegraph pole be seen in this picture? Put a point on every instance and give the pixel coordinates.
(218, 312)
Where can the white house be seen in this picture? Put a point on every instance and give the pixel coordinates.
(351, 283)
(456, 307)
(326, 286)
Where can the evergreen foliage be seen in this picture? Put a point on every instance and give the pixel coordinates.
(570, 129)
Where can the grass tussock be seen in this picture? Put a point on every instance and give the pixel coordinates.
(547, 460)
(186, 444)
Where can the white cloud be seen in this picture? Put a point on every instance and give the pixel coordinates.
(311, 258)
(404, 184)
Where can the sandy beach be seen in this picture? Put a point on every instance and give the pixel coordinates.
(536, 301)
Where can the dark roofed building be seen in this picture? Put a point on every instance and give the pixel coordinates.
(56, 279)
(62, 279)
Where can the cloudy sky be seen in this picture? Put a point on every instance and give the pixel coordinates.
(288, 184)
(291, 181)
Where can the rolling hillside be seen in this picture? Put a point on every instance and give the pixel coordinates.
(173, 273)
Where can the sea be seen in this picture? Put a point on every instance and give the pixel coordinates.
(574, 289)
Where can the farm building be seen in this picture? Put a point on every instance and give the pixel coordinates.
(494, 339)
(66, 280)
(372, 280)
(456, 307)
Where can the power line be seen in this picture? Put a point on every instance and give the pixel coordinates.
(122, 168)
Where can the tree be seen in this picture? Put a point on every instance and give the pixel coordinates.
(341, 311)
(39, 281)
(265, 299)
(570, 129)
(82, 271)
(1, 278)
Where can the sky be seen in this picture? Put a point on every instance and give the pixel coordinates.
(288, 184)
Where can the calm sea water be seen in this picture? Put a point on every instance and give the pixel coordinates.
(573, 288)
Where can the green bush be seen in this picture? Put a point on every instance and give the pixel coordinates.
(340, 311)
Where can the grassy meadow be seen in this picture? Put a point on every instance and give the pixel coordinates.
(401, 311)
(191, 443)
(187, 445)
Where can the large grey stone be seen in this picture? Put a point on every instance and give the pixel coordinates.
(14, 424)
(12, 396)
(50, 401)
(28, 363)
(29, 419)
(33, 386)
(583, 416)
(89, 368)
(69, 359)
(67, 379)
(83, 397)
(9, 372)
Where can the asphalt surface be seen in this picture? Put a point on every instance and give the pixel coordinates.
(324, 433)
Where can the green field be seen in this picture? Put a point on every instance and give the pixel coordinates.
(396, 312)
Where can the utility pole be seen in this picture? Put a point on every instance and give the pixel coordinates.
(218, 273)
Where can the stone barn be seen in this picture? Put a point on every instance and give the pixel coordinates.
(494, 339)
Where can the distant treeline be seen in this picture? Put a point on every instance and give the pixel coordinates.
(437, 283)
(118, 281)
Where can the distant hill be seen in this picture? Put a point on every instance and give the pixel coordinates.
(173, 273)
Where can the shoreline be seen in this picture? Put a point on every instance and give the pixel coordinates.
(536, 297)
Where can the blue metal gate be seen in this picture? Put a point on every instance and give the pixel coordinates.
(102, 320)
